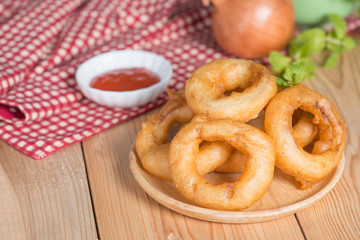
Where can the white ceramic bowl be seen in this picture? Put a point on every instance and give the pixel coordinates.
(112, 60)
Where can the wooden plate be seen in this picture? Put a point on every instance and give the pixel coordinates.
(282, 199)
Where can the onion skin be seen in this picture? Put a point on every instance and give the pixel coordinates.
(251, 29)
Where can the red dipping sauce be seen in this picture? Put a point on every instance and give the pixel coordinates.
(125, 79)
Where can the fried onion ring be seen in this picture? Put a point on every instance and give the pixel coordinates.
(304, 133)
(152, 146)
(235, 163)
(212, 155)
(304, 130)
(252, 184)
(207, 87)
(151, 141)
(307, 168)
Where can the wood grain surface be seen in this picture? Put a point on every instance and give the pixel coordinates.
(51, 198)
(46, 199)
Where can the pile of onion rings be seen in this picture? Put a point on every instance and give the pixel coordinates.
(213, 112)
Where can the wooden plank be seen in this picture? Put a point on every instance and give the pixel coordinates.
(337, 216)
(46, 199)
(124, 211)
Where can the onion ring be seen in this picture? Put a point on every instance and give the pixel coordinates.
(152, 146)
(207, 87)
(304, 132)
(252, 184)
(235, 163)
(211, 155)
(307, 168)
(151, 141)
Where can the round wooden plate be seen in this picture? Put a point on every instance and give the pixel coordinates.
(282, 199)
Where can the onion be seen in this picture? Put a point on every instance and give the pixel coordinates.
(252, 28)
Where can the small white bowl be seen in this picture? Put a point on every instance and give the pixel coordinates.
(112, 60)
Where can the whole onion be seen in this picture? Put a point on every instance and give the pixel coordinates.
(252, 28)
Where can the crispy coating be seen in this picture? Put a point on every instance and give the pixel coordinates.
(304, 132)
(307, 168)
(151, 141)
(252, 184)
(235, 163)
(212, 155)
(211, 89)
(152, 146)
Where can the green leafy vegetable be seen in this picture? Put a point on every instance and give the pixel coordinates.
(308, 66)
(339, 25)
(291, 70)
(282, 82)
(297, 71)
(333, 43)
(337, 41)
(278, 61)
(307, 43)
(332, 59)
(349, 43)
(294, 73)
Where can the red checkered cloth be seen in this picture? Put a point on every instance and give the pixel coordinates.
(43, 42)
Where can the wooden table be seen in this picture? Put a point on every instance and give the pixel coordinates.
(86, 191)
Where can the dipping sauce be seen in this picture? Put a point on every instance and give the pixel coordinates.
(125, 79)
